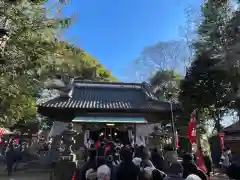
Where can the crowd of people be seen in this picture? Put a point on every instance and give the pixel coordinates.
(121, 163)
(12, 153)
(114, 161)
(15, 151)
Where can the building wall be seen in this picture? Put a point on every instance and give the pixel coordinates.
(234, 145)
(232, 141)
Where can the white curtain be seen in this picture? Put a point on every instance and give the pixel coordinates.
(140, 140)
(130, 134)
(86, 138)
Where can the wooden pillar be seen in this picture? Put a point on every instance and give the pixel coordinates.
(135, 137)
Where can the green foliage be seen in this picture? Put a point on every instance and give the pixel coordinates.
(211, 82)
(26, 53)
(34, 54)
(34, 1)
(29, 126)
(166, 84)
(72, 61)
(206, 86)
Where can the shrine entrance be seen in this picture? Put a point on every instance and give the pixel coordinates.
(110, 132)
(111, 128)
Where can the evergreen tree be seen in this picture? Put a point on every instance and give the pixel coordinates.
(208, 85)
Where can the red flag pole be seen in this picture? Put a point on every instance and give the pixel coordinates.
(195, 140)
(221, 135)
(199, 156)
(192, 128)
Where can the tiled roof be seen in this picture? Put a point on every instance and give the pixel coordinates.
(105, 95)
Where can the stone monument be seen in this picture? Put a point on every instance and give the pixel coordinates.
(66, 167)
(68, 140)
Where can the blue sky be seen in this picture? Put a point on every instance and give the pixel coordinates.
(116, 31)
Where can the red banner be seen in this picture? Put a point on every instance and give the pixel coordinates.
(2, 132)
(200, 161)
(192, 135)
(177, 141)
(221, 135)
(192, 128)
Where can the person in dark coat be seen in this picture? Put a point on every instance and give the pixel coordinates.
(175, 172)
(139, 151)
(157, 159)
(127, 169)
(19, 155)
(189, 167)
(146, 156)
(91, 163)
(10, 159)
(158, 175)
(101, 149)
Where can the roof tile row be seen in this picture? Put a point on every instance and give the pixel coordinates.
(103, 95)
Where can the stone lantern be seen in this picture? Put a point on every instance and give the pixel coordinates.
(68, 139)
(66, 167)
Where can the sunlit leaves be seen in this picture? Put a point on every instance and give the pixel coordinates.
(34, 54)
(166, 84)
(78, 63)
(28, 50)
(212, 79)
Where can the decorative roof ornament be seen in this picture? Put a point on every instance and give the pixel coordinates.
(55, 84)
(64, 90)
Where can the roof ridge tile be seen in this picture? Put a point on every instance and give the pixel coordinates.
(104, 82)
(147, 90)
(104, 85)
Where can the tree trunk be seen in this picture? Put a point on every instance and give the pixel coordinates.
(218, 124)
